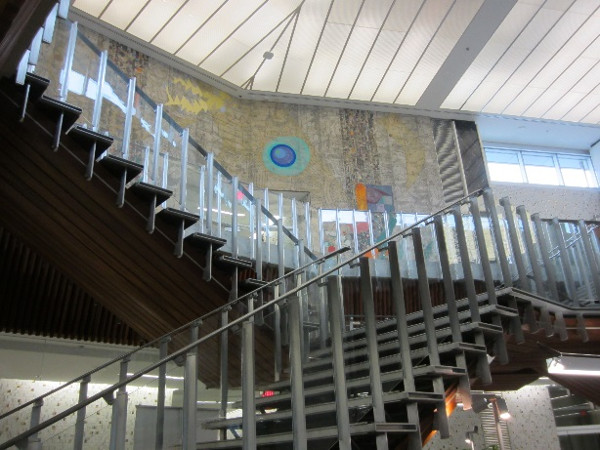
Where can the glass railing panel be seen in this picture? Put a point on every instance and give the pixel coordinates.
(170, 173)
(503, 223)
(431, 251)
(329, 231)
(363, 236)
(224, 202)
(142, 136)
(51, 63)
(556, 259)
(472, 245)
(454, 256)
(245, 223)
(301, 223)
(490, 241)
(581, 270)
(380, 225)
(114, 107)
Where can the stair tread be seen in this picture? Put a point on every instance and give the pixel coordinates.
(204, 240)
(360, 428)
(175, 216)
(38, 85)
(117, 165)
(71, 112)
(233, 261)
(86, 136)
(148, 191)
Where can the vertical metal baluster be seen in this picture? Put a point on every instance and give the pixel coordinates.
(99, 91)
(80, 420)
(68, 65)
(565, 263)
(190, 390)
(210, 189)
(500, 345)
(201, 201)
(49, 25)
(386, 224)
(294, 219)
(35, 47)
(296, 382)
(267, 227)
(354, 233)
(341, 393)
(277, 329)
(490, 206)
(545, 251)
(483, 368)
(412, 408)
(128, 118)
(251, 221)
(234, 218)
(185, 137)
(224, 360)
(248, 382)
(428, 319)
(22, 69)
(590, 257)
(63, 8)
(258, 267)
(165, 175)
(156, 148)
(308, 226)
(321, 232)
(322, 299)
(371, 237)
(281, 273)
(366, 290)
(160, 401)
(33, 441)
(119, 424)
(145, 176)
(219, 207)
(337, 229)
(514, 242)
(537, 274)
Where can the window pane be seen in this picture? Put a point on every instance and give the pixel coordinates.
(537, 160)
(505, 172)
(501, 156)
(574, 177)
(542, 175)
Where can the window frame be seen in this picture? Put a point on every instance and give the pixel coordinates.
(592, 181)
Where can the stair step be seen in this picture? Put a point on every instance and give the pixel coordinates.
(228, 260)
(315, 434)
(251, 284)
(85, 136)
(175, 216)
(147, 191)
(56, 107)
(38, 85)
(202, 240)
(117, 166)
(328, 407)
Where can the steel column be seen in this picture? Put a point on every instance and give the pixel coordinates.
(224, 361)
(210, 189)
(185, 137)
(190, 392)
(119, 425)
(366, 290)
(33, 441)
(591, 258)
(490, 206)
(80, 420)
(97, 113)
(248, 382)
(514, 243)
(545, 251)
(156, 146)
(339, 376)
(565, 263)
(537, 274)
(258, 261)
(160, 401)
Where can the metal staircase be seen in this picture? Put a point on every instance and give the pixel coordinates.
(366, 350)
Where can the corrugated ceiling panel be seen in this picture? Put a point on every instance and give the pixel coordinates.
(334, 38)
(523, 101)
(373, 13)
(185, 23)
(442, 44)
(217, 29)
(403, 15)
(153, 17)
(545, 102)
(344, 12)
(565, 103)
(302, 48)
(502, 98)
(376, 65)
(348, 70)
(120, 13)
(92, 7)
(268, 75)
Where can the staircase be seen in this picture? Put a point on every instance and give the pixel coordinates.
(333, 352)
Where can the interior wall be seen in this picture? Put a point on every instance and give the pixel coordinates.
(339, 148)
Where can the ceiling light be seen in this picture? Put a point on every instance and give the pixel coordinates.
(268, 55)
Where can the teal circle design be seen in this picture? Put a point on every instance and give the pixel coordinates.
(286, 155)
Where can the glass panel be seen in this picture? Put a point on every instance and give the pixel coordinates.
(362, 230)
(329, 227)
(504, 166)
(51, 63)
(225, 203)
(83, 81)
(244, 223)
(114, 107)
(142, 133)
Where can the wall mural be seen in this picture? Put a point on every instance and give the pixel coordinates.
(286, 156)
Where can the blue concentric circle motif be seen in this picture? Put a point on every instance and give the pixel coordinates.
(283, 155)
(286, 155)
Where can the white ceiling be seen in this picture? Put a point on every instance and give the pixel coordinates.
(538, 59)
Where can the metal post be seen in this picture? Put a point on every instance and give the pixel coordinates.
(354, 233)
(252, 229)
(80, 421)
(308, 225)
(296, 382)
(258, 261)
(201, 201)
(248, 388)
(366, 290)
(234, 218)
(565, 263)
(412, 408)
(119, 425)
(64, 80)
(156, 147)
(371, 237)
(185, 137)
(490, 206)
(514, 242)
(321, 232)
(500, 345)
(277, 328)
(224, 368)
(160, 401)
(545, 251)
(590, 257)
(339, 376)
(190, 389)
(49, 25)
(210, 189)
(219, 192)
(35, 47)
(337, 229)
(294, 218)
(537, 274)
(128, 117)
(99, 91)
(267, 226)
(322, 298)
(282, 286)
(33, 441)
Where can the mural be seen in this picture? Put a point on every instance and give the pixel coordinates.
(286, 155)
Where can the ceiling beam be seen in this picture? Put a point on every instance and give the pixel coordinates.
(485, 23)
